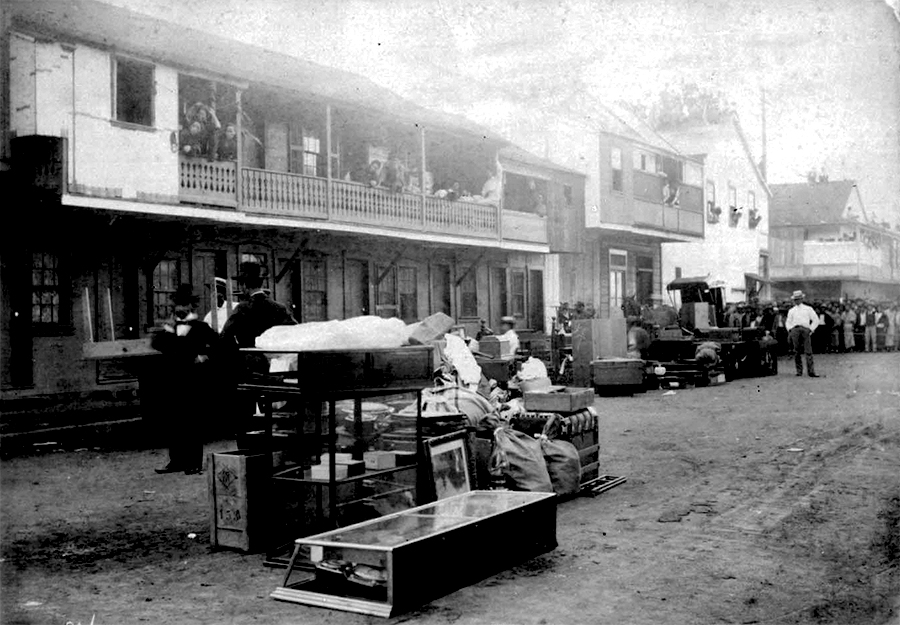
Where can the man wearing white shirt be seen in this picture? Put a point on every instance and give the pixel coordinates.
(221, 310)
(802, 321)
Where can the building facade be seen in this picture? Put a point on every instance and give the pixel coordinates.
(825, 243)
(353, 200)
(641, 193)
(735, 249)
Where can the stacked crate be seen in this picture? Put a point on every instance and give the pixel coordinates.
(578, 424)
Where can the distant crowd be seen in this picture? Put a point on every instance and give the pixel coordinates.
(858, 325)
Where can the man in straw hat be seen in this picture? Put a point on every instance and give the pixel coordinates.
(802, 321)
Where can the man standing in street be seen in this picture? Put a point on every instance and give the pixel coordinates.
(802, 321)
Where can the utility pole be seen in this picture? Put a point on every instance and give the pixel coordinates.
(763, 161)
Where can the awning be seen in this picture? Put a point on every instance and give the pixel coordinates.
(679, 283)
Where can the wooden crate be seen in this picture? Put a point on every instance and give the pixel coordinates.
(564, 400)
(617, 372)
(238, 495)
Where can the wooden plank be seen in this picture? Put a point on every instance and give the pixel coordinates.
(123, 348)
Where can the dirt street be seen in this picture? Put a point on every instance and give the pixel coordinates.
(770, 500)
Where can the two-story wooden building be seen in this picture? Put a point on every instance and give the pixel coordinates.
(640, 192)
(825, 243)
(354, 200)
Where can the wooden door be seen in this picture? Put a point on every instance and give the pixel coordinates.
(356, 288)
(536, 300)
(440, 289)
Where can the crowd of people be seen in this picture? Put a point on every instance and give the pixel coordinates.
(844, 326)
(203, 136)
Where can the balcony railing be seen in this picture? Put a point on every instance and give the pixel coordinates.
(833, 260)
(207, 182)
(295, 195)
(283, 194)
(465, 218)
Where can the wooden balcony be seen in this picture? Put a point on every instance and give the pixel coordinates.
(207, 182)
(836, 260)
(294, 195)
(307, 197)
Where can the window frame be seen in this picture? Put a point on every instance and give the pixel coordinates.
(306, 270)
(153, 305)
(732, 196)
(62, 324)
(516, 297)
(617, 271)
(617, 177)
(115, 59)
(469, 276)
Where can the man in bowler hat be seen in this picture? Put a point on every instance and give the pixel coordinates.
(186, 344)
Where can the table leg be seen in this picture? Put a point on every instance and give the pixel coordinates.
(332, 468)
(290, 566)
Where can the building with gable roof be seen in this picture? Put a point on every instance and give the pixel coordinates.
(824, 242)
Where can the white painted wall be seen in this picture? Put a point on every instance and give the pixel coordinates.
(726, 253)
(66, 91)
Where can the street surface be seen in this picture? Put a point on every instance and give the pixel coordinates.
(769, 500)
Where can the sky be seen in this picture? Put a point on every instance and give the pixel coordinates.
(830, 68)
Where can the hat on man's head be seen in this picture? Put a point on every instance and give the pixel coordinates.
(797, 295)
(184, 296)
(510, 320)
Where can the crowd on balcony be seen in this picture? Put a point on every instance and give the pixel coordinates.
(394, 175)
(203, 136)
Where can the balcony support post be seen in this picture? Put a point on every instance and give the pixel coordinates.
(329, 186)
(422, 165)
(239, 151)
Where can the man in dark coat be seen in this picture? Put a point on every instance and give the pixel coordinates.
(186, 344)
(257, 314)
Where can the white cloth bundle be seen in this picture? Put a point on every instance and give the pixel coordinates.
(367, 332)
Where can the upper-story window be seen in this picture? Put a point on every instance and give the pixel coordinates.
(615, 161)
(643, 161)
(751, 200)
(133, 90)
(693, 174)
(710, 193)
(732, 196)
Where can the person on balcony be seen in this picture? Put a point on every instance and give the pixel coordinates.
(375, 174)
(490, 190)
(210, 127)
(192, 141)
(228, 144)
(395, 176)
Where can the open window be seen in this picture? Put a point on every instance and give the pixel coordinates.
(133, 91)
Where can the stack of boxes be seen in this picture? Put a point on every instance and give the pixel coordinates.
(579, 423)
